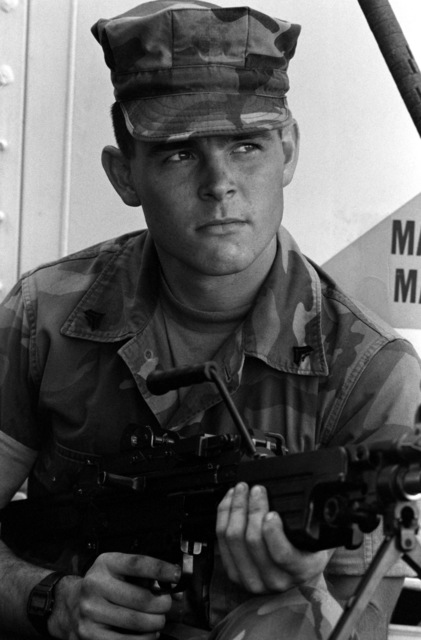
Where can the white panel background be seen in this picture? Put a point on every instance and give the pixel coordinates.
(13, 29)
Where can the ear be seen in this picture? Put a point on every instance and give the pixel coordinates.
(290, 136)
(118, 169)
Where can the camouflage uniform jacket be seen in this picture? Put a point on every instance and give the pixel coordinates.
(78, 338)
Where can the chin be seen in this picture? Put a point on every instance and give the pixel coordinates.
(210, 268)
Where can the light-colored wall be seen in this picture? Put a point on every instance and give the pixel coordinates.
(360, 152)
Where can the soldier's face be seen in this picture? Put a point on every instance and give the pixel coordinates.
(214, 204)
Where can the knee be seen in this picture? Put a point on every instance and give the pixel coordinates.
(306, 612)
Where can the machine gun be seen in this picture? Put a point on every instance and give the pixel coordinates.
(161, 498)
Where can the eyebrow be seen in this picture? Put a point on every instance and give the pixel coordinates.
(159, 147)
(173, 145)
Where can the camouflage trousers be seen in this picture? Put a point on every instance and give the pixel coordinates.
(307, 612)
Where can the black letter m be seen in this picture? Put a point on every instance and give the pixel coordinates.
(400, 238)
(405, 285)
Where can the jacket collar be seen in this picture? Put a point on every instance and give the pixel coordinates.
(283, 329)
(112, 308)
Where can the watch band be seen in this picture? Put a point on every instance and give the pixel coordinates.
(41, 602)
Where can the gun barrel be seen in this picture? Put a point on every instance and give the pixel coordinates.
(395, 483)
(411, 484)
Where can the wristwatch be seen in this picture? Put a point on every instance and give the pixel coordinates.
(41, 602)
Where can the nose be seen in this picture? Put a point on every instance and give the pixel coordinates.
(216, 180)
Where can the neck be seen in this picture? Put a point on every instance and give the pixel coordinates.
(216, 293)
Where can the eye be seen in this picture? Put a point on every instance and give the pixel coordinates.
(246, 147)
(180, 156)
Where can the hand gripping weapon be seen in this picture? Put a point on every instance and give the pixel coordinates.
(160, 498)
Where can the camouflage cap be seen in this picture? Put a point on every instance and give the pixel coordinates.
(183, 69)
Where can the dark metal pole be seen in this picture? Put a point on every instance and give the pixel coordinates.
(397, 54)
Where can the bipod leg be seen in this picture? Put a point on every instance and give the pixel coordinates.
(384, 559)
(413, 558)
(400, 525)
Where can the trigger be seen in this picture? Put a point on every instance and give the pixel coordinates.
(161, 588)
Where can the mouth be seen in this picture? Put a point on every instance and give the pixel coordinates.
(225, 225)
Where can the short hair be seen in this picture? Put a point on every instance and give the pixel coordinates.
(124, 139)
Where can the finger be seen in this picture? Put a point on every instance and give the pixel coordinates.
(280, 549)
(223, 512)
(274, 562)
(138, 566)
(222, 520)
(101, 632)
(272, 576)
(124, 579)
(139, 598)
(129, 620)
(267, 543)
(94, 616)
(237, 518)
(258, 508)
(234, 551)
(296, 565)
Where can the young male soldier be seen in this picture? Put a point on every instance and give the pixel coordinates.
(207, 146)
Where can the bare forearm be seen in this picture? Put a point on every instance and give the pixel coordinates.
(17, 578)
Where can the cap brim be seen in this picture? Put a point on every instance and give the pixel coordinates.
(182, 116)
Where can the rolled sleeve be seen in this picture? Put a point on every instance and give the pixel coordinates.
(18, 390)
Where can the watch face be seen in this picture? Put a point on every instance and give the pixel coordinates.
(41, 601)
